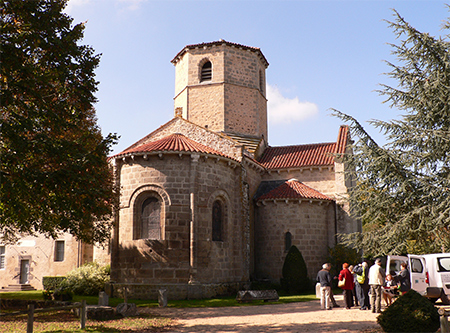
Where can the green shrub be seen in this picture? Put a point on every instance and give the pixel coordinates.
(62, 294)
(52, 282)
(47, 294)
(410, 313)
(88, 279)
(295, 274)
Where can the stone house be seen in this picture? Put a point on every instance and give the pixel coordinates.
(206, 205)
(25, 263)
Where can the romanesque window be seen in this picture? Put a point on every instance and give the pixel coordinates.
(206, 74)
(217, 221)
(150, 219)
(2, 257)
(287, 241)
(261, 81)
(59, 250)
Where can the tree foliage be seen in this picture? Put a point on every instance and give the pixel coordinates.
(54, 172)
(340, 254)
(403, 187)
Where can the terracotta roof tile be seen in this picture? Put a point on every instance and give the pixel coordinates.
(342, 141)
(293, 189)
(298, 156)
(173, 143)
(319, 154)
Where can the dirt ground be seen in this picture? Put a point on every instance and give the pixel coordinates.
(271, 318)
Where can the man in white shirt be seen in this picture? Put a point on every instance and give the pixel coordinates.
(376, 281)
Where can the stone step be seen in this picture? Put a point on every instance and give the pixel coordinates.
(18, 287)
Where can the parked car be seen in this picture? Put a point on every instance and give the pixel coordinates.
(429, 273)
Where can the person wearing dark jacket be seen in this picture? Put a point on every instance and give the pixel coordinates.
(403, 278)
(324, 278)
(362, 285)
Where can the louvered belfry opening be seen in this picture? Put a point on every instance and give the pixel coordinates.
(206, 72)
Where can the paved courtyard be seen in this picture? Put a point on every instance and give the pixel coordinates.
(276, 318)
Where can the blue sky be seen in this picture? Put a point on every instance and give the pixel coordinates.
(322, 55)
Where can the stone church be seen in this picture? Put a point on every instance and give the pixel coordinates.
(206, 204)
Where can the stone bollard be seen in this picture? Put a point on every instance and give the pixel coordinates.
(162, 297)
(103, 299)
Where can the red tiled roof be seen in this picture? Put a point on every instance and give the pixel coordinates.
(173, 143)
(319, 154)
(293, 189)
(342, 139)
(220, 42)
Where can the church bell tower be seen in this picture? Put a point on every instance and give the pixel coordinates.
(221, 86)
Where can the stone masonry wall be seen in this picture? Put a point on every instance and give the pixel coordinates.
(168, 260)
(219, 261)
(153, 261)
(240, 107)
(310, 225)
(321, 179)
(206, 107)
(198, 134)
(242, 111)
(253, 179)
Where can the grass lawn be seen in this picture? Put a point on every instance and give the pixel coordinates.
(195, 303)
(64, 321)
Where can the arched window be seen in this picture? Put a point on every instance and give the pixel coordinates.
(150, 219)
(287, 241)
(217, 221)
(206, 74)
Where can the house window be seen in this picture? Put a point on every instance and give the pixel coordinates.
(217, 221)
(287, 241)
(2, 257)
(206, 74)
(59, 251)
(150, 219)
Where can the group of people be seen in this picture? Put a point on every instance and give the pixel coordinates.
(357, 282)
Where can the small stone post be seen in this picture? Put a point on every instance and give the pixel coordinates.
(30, 318)
(162, 297)
(103, 299)
(83, 314)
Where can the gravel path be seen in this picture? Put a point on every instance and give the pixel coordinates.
(272, 318)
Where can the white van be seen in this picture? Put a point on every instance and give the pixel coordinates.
(429, 273)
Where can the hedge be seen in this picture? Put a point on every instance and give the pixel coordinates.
(52, 282)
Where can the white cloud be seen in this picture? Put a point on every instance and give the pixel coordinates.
(130, 5)
(121, 5)
(71, 4)
(284, 110)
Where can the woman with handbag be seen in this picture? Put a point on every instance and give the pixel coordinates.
(347, 285)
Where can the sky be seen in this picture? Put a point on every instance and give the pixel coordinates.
(321, 54)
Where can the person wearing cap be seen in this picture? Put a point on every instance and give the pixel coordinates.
(376, 281)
